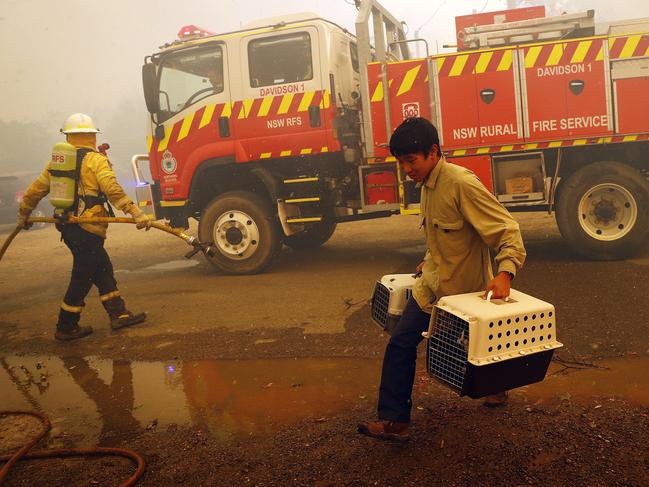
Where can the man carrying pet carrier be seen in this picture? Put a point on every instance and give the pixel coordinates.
(462, 220)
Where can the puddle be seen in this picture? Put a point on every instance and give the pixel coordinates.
(174, 265)
(93, 399)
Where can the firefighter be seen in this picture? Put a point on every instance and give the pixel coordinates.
(461, 221)
(90, 183)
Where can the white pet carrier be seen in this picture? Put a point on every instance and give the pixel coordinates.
(391, 294)
(479, 347)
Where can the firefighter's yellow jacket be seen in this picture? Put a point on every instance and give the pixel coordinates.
(96, 177)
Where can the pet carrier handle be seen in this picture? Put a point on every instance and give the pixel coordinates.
(490, 295)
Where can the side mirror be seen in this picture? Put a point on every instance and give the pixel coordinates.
(150, 85)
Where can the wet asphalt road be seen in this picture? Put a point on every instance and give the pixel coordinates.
(323, 293)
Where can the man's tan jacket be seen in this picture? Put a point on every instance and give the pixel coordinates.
(462, 221)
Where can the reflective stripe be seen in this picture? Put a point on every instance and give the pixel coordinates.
(581, 51)
(306, 101)
(265, 106)
(458, 65)
(71, 309)
(408, 80)
(532, 55)
(285, 104)
(555, 55)
(173, 203)
(184, 129)
(106, 297)
(505, 62)
(483, 62)
(207, 115)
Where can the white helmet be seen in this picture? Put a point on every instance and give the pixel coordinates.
(79, 123)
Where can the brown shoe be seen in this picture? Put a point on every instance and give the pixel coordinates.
(127, 319)
(496, 400)
(73, 333)
(385, 430)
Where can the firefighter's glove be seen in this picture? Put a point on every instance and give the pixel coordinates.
(23, 220)
(142, 221)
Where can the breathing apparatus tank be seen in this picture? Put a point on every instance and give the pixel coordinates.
(63, 176)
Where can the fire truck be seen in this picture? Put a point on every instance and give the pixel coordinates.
(276, 133)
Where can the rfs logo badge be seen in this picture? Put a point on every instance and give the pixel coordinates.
(410, 110)
(168, 162)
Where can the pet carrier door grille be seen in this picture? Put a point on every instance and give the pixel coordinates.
(449, 349)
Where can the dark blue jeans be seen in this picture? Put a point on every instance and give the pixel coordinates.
(399, 362)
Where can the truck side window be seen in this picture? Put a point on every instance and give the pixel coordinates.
(353, 54)
(280, 59)
(189, 76)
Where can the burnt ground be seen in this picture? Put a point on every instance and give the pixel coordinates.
(316, 305)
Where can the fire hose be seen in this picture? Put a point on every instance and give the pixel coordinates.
(197, 246)
(67, 452)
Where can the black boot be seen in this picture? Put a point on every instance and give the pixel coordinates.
(120, 317)
(68, 327)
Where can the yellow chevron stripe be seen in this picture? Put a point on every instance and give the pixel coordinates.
(162, 146)
(245, 108)
(580, 142)
(629, 46)
(285, 153)
(600, 54)
(630, 138)
(581, 51)
(483, 62)
(265, 155)
(149, 143)
(306, 101)
(264, 108)
(555, 144)
(324, 149)
(408, 80)
(555, 55)
(532, 55)
(306, 151)
(482, 150)
(459, 152)
(506, 148)
(458, 65)
(440, 63)
(531, 146)
(227, 110)
(207, 115)
(604, 140)
(285, 104)
(378, 92)
(506, 62)
(324, 103)
(184, 129)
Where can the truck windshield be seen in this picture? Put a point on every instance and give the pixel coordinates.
(189, 76)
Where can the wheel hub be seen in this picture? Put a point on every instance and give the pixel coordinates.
(236, 235)
(607, 212)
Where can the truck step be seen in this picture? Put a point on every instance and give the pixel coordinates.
(301, 180)
(311, 199)
(310, 219)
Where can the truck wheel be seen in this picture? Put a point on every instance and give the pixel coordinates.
(312, 236)
(242, 227)
(603, 211)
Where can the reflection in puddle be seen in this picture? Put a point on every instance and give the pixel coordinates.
(92, 400)
(95, 400)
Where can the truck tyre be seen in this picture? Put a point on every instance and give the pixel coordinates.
(312, 236)
(244, 232)
(603, 211)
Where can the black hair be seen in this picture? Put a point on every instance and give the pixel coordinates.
(414, 135)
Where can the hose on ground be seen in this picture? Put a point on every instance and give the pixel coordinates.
(196, 245)
(23, 454)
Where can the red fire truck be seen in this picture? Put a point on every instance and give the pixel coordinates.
(275, 133)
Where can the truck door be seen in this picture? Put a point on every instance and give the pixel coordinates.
(564, 90)
(195, 110)
(285, 96)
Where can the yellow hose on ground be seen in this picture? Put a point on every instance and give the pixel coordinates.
(177, 232)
